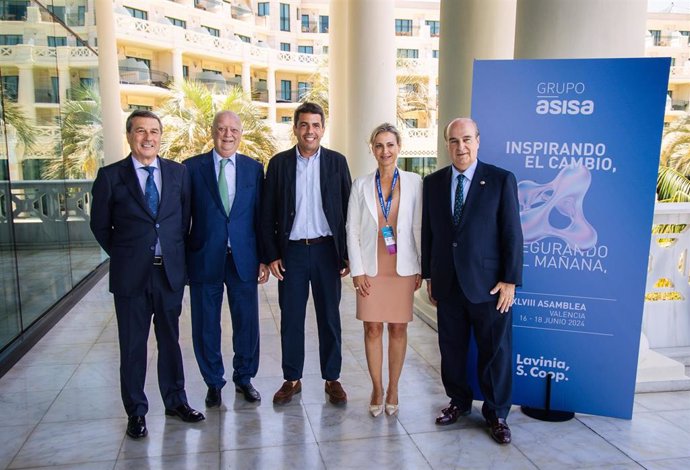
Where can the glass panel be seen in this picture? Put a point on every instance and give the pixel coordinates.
(50, 128)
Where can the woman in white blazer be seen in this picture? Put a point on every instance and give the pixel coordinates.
(384, 221)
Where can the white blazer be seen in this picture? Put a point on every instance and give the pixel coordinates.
(363, 230)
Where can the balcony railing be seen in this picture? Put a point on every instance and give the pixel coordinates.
(679, 105)
(140, 76)
(222, 48)
(43, 212)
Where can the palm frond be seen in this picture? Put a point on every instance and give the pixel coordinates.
(672, 186)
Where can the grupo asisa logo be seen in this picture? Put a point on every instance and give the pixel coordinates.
(563, 98)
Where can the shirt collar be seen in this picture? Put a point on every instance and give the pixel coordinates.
(218, 158)
(138, 164)
(300, 157)
(469, 173)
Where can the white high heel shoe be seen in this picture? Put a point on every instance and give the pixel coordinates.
(391, 409)
(376, 410)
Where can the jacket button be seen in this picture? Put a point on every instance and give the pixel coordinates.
(455, 244)
(158, 225)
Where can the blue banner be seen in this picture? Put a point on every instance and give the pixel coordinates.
(583, 138)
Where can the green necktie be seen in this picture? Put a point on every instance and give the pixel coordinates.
(223, 186)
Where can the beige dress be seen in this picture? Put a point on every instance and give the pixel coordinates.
(390, 295)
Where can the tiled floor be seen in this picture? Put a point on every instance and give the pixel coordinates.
(60, 408)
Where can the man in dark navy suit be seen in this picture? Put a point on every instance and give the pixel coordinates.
(140, 216)
(303, 229)
(472, 260)
(223, 251)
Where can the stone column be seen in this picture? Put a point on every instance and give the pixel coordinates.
(271, 86)
(176, 64)
(246, 78)
(63, 80)
(337, 126)
(470, 29)
(371, 60)
(549, 29)
(26, 94)
(109, 82)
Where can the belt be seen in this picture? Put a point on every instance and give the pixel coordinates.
(158, 261)
(312, 241)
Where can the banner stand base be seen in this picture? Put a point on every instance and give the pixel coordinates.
(546, 413)
(552, 416)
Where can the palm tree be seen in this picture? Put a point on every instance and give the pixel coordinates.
(81, 145)
(187, 117)
(673, 184)
(412, 98)
(12, 116)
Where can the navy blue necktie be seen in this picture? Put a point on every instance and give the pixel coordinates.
(459, 200)
(151, 192)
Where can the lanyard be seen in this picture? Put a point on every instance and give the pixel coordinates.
(386, 207)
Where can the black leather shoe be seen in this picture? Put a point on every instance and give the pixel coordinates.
(250, 393)
(451, 414)
(186, 413)
(213, 397)
(499, 430)
(136, 427)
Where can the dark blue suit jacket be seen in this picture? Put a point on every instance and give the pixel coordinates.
(211, 228)
(278, 212)
(487, 245)
(126, 229)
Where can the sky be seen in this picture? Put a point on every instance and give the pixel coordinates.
(670, 6)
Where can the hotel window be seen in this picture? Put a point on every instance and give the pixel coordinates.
(302, 89)
(142, 107)
(305, 23)
(285, 119)
(81, 16)
(411, 123)
(262, 9)
(177, 22)
(244, 38)
(434, 54)
(305, 49)
(58, 12)
(87, 82)
(146, 62)
(323, 24)
(56, 41)
(10, 85)
(403, 27)
(656, 34)
(285, 46)
(284, 17)
(13, 10)
(285, 90)
(212, 31)
(434, 27)
(408, 53)
(185, 72)
(11, 39)
(140, 14)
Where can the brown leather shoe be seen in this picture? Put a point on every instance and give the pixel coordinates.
(451, 414)
(335, 392)
(499, 430)
(286, 392)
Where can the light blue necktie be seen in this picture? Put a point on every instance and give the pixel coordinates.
(151, 191)
(459, 200)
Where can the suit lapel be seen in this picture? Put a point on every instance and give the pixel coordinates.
(166, 177)
(369, 197)
(208, 172)
(290, 177)
(323, 174)
(129, 176)
(445, 195)
(474, 193)
(242, 180)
